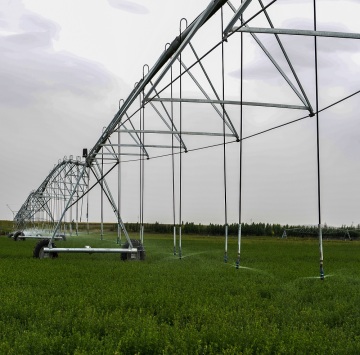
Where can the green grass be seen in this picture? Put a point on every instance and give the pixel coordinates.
(96, 304)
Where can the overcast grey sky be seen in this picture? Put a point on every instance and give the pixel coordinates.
(64, 65)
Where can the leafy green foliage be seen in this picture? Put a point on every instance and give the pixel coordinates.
(97, 304)
(6, 227)
(252, 229)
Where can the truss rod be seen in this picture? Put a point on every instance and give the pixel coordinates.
(107, 156)
(116, 159)
(186, 36)
(67, 205)
(183, 132)
(307, 104)
(287, 59)
(146, 145)
(172, 127)
(228, 121)
(284, 31)
(165, 61)
(140, 142)
(107, 191)
(236, 16)
(95, 184)
(38, 206)
(229, 102)
(109, 151)
(278, 67)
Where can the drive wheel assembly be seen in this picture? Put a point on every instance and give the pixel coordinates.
(39, 252)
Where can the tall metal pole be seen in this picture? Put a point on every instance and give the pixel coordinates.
(321, 253)
(224, 140)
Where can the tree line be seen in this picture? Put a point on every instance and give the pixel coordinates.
(247, 229)
(252, 229)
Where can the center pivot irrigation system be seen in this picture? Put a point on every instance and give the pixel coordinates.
(201, 91)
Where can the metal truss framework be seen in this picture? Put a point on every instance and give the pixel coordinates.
(154, 120)
(44, 206)
(49, 208)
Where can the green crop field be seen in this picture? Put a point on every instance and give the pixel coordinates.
(97, 304)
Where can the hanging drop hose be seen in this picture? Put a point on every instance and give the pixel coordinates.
(224, 140)
(318, 151)
(240, 147)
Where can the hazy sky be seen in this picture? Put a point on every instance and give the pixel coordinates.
(65, 64)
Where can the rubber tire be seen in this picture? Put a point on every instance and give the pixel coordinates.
(17, 236)
(39, 250)
(136, 244)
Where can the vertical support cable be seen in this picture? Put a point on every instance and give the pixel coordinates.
(102, 193)
(118, 240)
(224, 139)
(87, 201)
(172, 156)
(240, 147)
(77, 206)
(61, 205)
(143, 163)
(71, 216)
(82, 204)
(318, 152)
(55, 205)
(59, 200)
(64, 198)
(51, 207)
